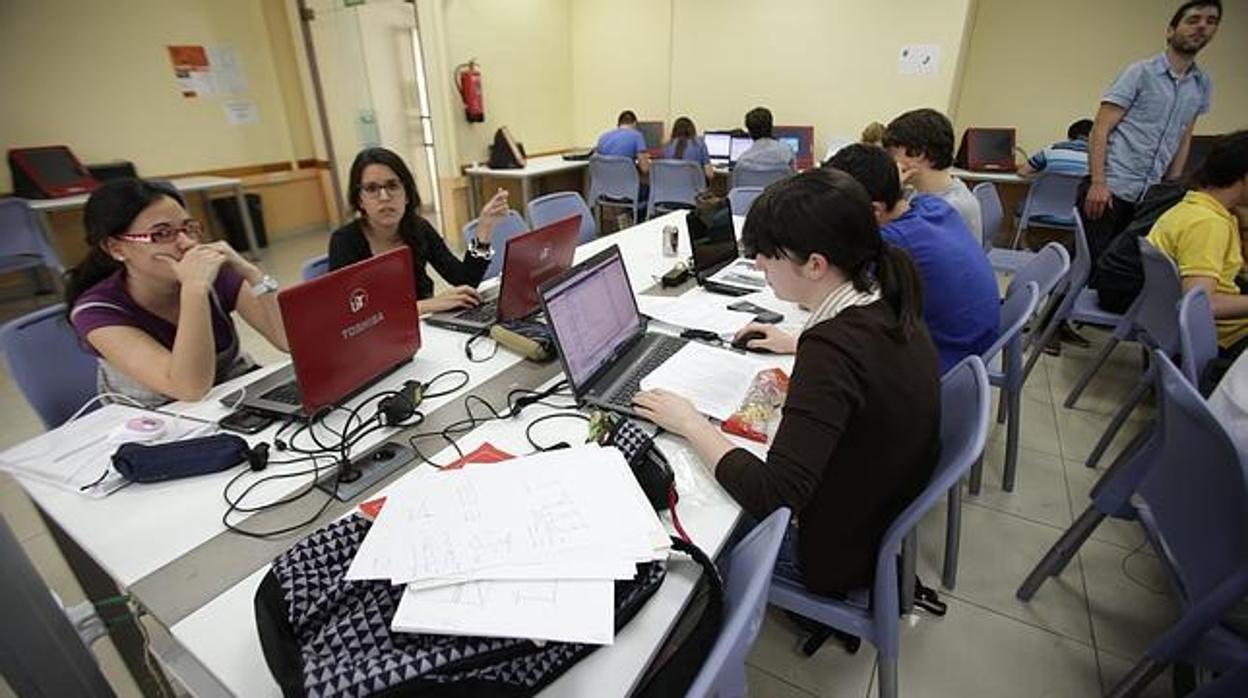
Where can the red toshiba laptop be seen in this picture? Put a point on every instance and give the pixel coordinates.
(346, 330)
(530, 260)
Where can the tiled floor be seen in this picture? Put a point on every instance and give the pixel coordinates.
(1079, 635)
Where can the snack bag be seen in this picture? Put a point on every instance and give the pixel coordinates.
(765, 396)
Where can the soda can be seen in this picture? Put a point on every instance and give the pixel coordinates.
(671, 240)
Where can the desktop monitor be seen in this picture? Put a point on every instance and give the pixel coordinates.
(802, 140)
(987, 149)
(718, 144)
(653, 132)
(738, 146)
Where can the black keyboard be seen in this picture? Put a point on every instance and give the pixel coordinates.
(663, 350)
(286, 393)
(486, 312)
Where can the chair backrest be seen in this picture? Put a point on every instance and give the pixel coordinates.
(512, 225)
(55, 374)
(1049, 200)
(22, 236)
(1158, 315)
(748, 176)
(1198, 334)
(675, 182)
(614, 177)
(746, 581)
(1047, 268)
(317, 266)
(1081, 265)
(964, 421)
(742, 198)
(547, 209)
(990, 210)
(1017, 308)
(1194, 500)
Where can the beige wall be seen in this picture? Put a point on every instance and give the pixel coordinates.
(827, 63)
(1038, 66)
(96, 76)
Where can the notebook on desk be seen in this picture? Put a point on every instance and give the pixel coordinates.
(603, 344)
(346, 330)
(529, 259)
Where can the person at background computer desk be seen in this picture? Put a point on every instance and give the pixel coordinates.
(921, 141)
(766, 152)
(1069, 157)
(686, 145)
(625, 140)
(962, 305)
(383, 192)
(859, 433)
(1143, 128)
(153, 298)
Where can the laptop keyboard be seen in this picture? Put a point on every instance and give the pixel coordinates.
(662, 350)
(486, 312)
(286, 393)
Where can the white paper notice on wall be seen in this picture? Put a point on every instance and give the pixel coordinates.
(919, 59)
(227, 70)
(241, 113)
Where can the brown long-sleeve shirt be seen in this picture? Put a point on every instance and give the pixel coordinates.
(857, 442)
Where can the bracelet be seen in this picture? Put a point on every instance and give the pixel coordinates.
(267, 284)
(480, 250)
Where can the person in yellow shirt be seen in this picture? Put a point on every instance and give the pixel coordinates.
(1202, 236)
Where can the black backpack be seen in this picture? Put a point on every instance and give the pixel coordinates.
(1119, 273)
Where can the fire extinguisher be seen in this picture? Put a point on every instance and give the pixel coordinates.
(468, 82)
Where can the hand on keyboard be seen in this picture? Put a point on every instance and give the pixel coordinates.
(451, 299)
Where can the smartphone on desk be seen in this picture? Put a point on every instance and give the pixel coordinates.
(245, 421)
(761, 314)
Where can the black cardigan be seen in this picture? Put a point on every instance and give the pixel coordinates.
(349, 245)
(858, 440)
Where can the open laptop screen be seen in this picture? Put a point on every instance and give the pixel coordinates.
(712, 238)
(593, 314)
(739, 145)
(718, 145)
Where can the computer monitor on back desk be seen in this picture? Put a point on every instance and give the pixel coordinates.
(653, 133)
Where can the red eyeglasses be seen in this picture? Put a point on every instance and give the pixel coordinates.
(166, 232)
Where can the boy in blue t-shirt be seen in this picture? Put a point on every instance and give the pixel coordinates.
(625, 140)
(960, 302)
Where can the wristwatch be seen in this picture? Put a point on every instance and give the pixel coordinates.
(481, 250)
(267, 284)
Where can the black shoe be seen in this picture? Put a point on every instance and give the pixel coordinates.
(1067, 334)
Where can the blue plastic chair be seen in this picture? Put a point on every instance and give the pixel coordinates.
(513, 224)
(1049, 268)
(993, 216)
(317, 266)
(674, 184)
(55, 374)
(742, 198)
(547, 209)
(748, 176)
(614, 183)
(1198, 334)
(963, 431)
(1017, 308)
(747, 579)
(1049, 201)
(1193, 504)
(1156, 322)
(22, 241)
(1232, 684)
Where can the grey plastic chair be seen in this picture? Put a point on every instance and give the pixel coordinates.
(1048, 203)
(873, 615)
(1198, 335)
(1049, 268)
(1156, 327)
(742, 198)
(23, 244)
(747, 578)
(1017, 308)
(1193, 504)
(674, 184)
(550, 208)
(511, 225)
(993, 215)
(51, 368)
(748, 176)
(614, 183)
(317, 266)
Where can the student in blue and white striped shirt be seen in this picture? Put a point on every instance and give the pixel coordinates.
(1066, 157)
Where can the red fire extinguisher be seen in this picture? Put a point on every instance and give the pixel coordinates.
(468, 82)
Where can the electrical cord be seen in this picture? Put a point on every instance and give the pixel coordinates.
(1135, 580)
(538, 448)
(472, 340)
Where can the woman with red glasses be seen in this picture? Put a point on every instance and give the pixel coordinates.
(153, 300)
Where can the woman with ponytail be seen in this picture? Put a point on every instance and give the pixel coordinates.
(860, 430)
(153, 299)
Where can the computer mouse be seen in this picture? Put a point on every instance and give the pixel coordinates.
(743, 341)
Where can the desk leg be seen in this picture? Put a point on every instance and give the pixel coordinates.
(37, 279)
(474, 200)
(249, 229)
(97, 585)
(526, 192)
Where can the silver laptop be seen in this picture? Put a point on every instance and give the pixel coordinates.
(602, 339)
(718, 147)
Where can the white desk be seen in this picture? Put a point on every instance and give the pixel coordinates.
(534, 168)
(201, 185)
(166, 545)
(994, 177)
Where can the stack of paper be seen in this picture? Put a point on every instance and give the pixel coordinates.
(529, 547)
(715, 380)
(695, 309)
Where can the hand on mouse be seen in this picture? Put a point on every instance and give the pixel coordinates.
(774, 339)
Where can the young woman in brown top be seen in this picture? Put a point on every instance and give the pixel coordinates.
(859, 435)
